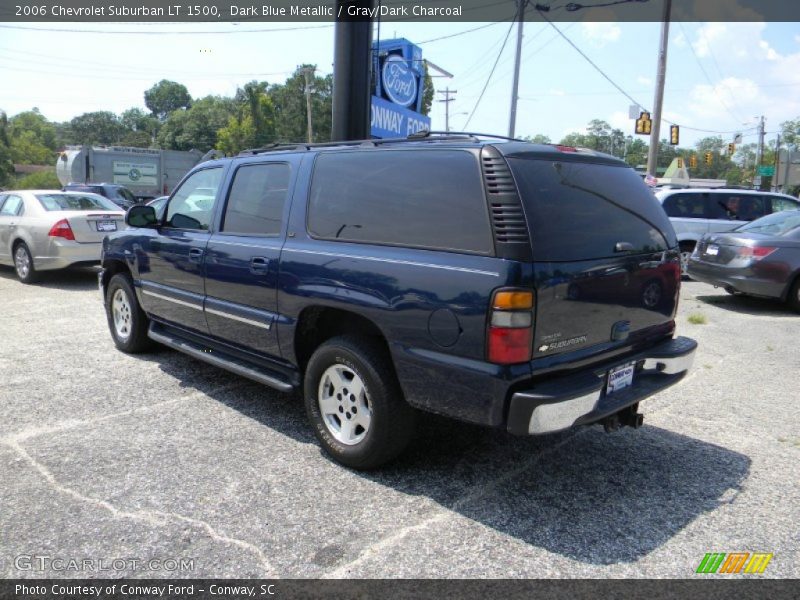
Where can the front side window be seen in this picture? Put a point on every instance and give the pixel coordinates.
(432, 199)
(12, 207)
(738, 207)
(255, 203)
(685, 205)
(192, 205)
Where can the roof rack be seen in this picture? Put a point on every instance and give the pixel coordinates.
(420, 136)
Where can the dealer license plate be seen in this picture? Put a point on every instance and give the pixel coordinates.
(620, 378)
(712, 250)
(106, 226)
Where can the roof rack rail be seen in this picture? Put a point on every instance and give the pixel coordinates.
(420, 136)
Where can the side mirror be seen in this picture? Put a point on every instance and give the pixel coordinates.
(141, 215)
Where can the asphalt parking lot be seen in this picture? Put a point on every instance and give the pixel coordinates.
(108, 456)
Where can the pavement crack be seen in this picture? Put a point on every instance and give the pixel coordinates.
(445, 512)
(152, 517)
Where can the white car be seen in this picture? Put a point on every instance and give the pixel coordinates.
(48, 229)
(695, 212)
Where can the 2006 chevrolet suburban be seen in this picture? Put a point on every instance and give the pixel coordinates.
(530, 287)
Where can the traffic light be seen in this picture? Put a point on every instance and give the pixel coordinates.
(644, 123)
(731, 149)
(693, 161)
(680, 162)
(709, 158)
(674, 135)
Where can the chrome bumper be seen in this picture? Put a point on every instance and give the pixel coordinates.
(581, 399)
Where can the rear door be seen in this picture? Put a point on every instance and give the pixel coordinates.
(242, 257)
(10, 208)
(605, 260)
(688, 214)
(173, 285)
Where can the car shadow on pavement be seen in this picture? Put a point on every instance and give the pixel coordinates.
(593, 497)
(747, 304)
(74, 279)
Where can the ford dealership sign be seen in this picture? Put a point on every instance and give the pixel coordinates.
(399, 81)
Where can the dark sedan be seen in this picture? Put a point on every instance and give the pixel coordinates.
(761, 258)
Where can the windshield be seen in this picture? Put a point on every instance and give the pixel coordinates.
(52, 202)
(775, 224)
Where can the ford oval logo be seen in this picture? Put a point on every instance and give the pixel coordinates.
(399, 82)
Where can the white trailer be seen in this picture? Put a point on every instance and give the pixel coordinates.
(147, 173)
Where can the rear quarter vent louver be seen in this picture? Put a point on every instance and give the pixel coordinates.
(505, 208)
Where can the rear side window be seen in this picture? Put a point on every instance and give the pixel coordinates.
(255, 203)
(431, 199)
(780, 204)
(580, 211)
(685, 205)
(75, 201)
(737, 207)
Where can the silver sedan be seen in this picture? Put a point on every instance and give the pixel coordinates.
(46, 229)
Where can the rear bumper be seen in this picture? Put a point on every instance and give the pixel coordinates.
(63, 253)
(580, 398)
(743, 280)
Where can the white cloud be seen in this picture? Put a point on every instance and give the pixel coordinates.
(600, 34)
(711, 101)
(556, 92)
(620, 120)
(644, 80)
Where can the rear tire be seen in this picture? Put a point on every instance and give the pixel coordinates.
(686, 249)
(355, 404)
(126, 319)
(793, 300)
(23, 264)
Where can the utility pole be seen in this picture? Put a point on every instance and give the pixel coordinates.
(352, 64)
(447, 100)
(658, 102)
(308, 71)
(760, 153)
(512, 119)
(774, 188)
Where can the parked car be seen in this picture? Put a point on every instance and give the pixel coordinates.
(695, 212)
(118, 194)
(48, 229)
(390, 278)
(761, 258)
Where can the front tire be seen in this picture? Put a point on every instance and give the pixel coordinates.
(126, 319)
(23, 264)
(354, 403)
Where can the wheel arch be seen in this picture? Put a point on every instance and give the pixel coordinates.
(110, 268)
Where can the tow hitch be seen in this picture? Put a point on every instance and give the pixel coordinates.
(627, 417)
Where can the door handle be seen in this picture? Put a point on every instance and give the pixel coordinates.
(196, 254)
(259, 264)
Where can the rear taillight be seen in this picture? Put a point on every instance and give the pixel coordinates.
(755, 253)
(510, 334)
(62, 230)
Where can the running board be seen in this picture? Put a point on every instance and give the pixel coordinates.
(217, 359)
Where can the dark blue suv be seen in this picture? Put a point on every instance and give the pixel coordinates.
(530, 287)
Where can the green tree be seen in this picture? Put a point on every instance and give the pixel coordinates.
(427, 91)
(289, 104)
(6, 166)
(537, 139)
(636, 151)
(140, 128)
(41, 180)
(790, 133)
(166, 97)
(32, 138)
(197, 127)
(101, 127)
(253, 126)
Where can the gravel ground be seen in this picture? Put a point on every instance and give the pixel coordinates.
(108, 456)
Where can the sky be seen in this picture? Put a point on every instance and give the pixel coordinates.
(720, 76)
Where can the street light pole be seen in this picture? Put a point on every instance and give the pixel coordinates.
(512, 119)
(658, 102)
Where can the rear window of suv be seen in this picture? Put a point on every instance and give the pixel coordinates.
(581, 210)
(432, 199)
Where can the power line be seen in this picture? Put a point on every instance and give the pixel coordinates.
(622, 91)
(466, 31)
(488, 79)
(708, 79)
